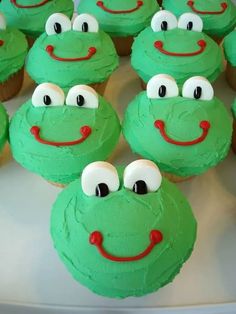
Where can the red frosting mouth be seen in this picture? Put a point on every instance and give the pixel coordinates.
(1, 42)
(160, 46)
(102, 6)
(85, 131)
(204, 125)
(223, 5)
(30, 6)
(96, 239)
(50, 51)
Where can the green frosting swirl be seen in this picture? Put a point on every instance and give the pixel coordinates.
(57, 124)
(3, 126)
(230, 48)
(214, 24)
(12, 52)
(125, 220)
(182, 117)
(72, 44)
(124, 24)
(32, 21)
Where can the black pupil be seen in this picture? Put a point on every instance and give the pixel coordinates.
(162, 91)
(47, 100)
(190, 26)
(102, 190)
(85, 27)
(197, 92)
(80, 100)
(57, 28)
(164, 26)
(140, 187)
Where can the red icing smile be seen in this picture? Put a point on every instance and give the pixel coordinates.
(1, 42)
(30, 6)
(204, 125)
(50, 51)
(96, 239)
(160, 46)
(102, 6)
(85, 132)
(223, 5)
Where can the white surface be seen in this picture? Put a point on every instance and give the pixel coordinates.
(31, 272)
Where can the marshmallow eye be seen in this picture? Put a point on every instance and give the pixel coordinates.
(3, 23)
(163, 21)
(142, 176)
(191, 22)
(198, 88)
(86, 23)
(99, 179)
(82, 96)
(47, 95)
(57, 23)
(162, 86)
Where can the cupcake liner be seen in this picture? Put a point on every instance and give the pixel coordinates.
(30, 41)
(217, 39)
(159, 2)
(123, 45)
(143, 84)
(176, 179)
(234, 136)
(99, 87)
(12, 85)
(231, 75)
(58, 185)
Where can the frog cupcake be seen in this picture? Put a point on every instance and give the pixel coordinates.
(3, 127)
(178, 48)
(57, 138)
(30, 15)
(123, 232)
(72, 54)
(122, 20)
(230, 54)
(11, 60)
(219, 17)
(234, 126)
(186, 134)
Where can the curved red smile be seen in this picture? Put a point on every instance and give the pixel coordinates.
(96, 239)
(29, 6)
(85, 131)
(103, 7)
(50, 51)
(223, 5)
(204, 125)
(160, 46)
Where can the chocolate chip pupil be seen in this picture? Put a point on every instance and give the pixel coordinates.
(102, 190)
(80, 100)
(85, 27)
(190, 26)
(57, 28)
(197, 92)
(140, 187)
(164, 26)
(47, 100)
(162, 91)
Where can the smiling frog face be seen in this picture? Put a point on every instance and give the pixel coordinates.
(186, 135)
(55, 138)
(178, 48)
(82, 55)
(123, 237)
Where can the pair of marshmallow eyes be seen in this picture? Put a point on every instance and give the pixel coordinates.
(59, 23)
(165, 20)
(164, 86)
(48, 94)
(101, 178)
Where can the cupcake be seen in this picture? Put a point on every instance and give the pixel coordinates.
(219, 17)
(123, 232)
(30, 16)
(68, 55)
(3, 127)
(13, 50)
(230, 53)
(122, 20)
(186, 134)
(234, 126)
(178, 48)
(57, 138)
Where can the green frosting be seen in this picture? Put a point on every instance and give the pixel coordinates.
(72, 44)
(148, 61)
(32, 20)
(3, 126)
(230, 48)
(12, 52)
(62, 124)
(234, 108)
(182, 117)
(214, 24)
(124, 24)
(125, 220)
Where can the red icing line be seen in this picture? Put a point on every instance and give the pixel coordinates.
(204, 125)
(29, 6)
(1, 42)
(223, 5)
(96, 239)
(50, 51)
(85, 132)
(102, 6)
(201, 43)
